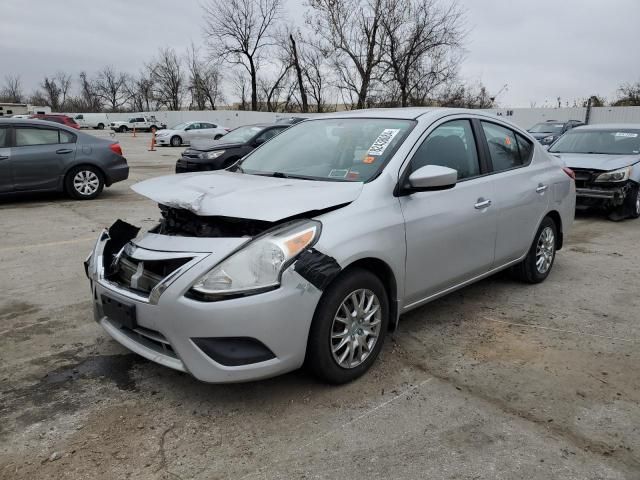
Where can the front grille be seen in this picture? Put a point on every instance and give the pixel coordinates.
(184, 166)
(142, 276)
(584, 177)
(191, 154)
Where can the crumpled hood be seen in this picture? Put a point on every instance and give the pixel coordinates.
(231, 194)
(596, 162)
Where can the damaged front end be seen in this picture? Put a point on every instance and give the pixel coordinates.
(594, 189)
(252, 256)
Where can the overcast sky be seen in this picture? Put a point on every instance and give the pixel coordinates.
(540, 50)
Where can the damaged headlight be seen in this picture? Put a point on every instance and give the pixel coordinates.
(257, 266)
(212, 155)
(620, 175)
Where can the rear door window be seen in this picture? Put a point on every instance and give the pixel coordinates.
(66, 137)
(26, 136)
(503, 147)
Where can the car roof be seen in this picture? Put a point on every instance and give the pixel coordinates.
(409, 113)
(36, 122)
(610, 126)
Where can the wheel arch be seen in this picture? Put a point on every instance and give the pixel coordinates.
(384, 272)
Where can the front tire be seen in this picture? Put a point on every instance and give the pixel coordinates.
(176, 141)
(632, 202)
(348, 327)
(123, 129)
(84, 182)
(536, 266)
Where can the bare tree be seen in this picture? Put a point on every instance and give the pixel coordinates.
(420, 35)
(272, 90)
(110, 87)
(89, 98)
(352, 30)
(239, 31)
(140, 92)
(63, 81)
(460, 95)
(168, 79)
(11, 91)
(628, 95)
(50, 93)
(315, 65)
(296, 62)
(204, 81)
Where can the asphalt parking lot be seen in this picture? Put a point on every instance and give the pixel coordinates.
(499, 380)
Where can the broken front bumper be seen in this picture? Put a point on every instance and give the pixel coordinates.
(222, 341)
(607, 196)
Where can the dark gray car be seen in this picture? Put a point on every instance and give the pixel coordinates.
(548, 132)
(37, 155)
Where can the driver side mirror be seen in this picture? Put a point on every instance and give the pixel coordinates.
(258, 141)
(432, 177)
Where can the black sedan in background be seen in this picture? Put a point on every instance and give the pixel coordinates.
(218, 154)
(39, 156)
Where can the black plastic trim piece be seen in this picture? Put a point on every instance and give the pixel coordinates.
(234, 351)
(319, 269)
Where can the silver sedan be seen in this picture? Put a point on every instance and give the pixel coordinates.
(311, 248)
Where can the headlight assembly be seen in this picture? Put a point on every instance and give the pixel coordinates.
(212, 155)
(620, 175)
(548, 139)
(258, 266)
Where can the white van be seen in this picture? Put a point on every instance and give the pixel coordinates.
(92, 120)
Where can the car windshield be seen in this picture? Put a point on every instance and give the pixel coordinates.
(608, 142)
(546, 127)
(353, 149)
(180, 126)
(242, 134)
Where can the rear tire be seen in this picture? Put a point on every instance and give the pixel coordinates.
(101, 126)
(536, 266)
(123, 129)
(217, 137)
(176, 141)
(153, 129)
(342, 325)
(84, 182)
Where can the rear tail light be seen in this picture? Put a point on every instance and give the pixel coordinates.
(569, 172)
(115, 148)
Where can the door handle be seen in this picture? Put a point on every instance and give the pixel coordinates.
(63, 151)
(541, 188)
(482, 204)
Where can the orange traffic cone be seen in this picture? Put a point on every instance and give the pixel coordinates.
(153, 142)
(134, 131)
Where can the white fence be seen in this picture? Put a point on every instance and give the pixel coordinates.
(527, 117)
(524, 117)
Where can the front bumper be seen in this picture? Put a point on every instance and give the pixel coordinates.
(605, 196)
(168, 324)
(163, 141)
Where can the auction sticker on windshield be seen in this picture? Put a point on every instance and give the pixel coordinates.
(626, 134)
(383, 141)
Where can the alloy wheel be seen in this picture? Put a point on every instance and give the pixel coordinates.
(355, 328)
(86, 182)
(545, 250)
(638, 203)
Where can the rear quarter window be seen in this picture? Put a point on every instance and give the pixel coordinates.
(26, 137)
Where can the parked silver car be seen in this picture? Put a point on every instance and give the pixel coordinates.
(311, 247)
(606, 162)
(184, 133)
(38, 155)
